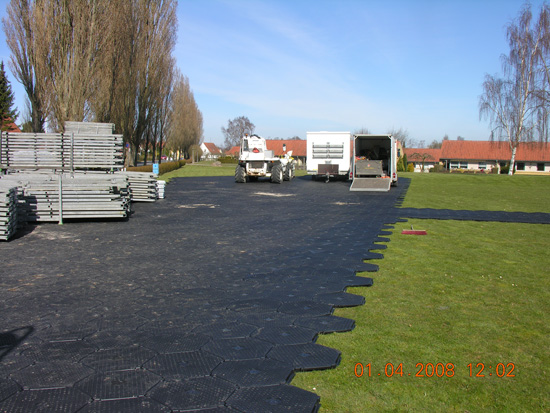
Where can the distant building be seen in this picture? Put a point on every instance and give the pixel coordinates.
(281, 148)
(210, 151)
(11, 127)
(234, 151)
(531, 157)
(484, 155)
(422, 156)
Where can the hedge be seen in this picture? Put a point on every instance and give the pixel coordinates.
(163, 167)
(227, 159)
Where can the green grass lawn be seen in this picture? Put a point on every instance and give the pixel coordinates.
(465, 294)
(207, 169)
(490, 192)
(200, 169)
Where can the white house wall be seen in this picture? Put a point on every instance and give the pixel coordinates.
(533, 166)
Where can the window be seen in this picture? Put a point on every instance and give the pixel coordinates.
(459, 165)
(520, 166)
(540, 167)
(482, 166)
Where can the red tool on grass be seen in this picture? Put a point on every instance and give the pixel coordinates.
(413, 231)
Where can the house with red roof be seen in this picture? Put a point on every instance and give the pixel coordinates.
(234, 151)
(422, 158)
(210, 151)
(10, 126)
(531, 157)
(281, 148)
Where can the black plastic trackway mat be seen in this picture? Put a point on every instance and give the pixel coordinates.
(207, 300)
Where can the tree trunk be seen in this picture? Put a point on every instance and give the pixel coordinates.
(160, 132)
(512, 161)
(146, 148)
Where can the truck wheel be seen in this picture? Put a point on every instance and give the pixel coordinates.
(289, 173)
(277, 174)
(240, 174)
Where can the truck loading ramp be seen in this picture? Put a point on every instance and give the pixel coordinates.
(370, 184)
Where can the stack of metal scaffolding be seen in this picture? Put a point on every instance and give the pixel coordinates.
(8, 211)
(160, 189)
(142, 185)
(56, 197)
(60, 151)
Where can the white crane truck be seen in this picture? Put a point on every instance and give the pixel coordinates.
(256, 161)
(374, 163)
(328, 154)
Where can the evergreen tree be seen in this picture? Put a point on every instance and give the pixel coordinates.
(7, 113)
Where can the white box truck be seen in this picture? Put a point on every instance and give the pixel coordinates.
(374, 163)
(328, 154)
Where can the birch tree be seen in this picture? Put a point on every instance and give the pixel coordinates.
(515, 103)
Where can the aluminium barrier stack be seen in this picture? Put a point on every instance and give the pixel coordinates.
(8, 211)
(142, 185)
(52, 198)
(60, 151)
(160, 189)
(90, 128)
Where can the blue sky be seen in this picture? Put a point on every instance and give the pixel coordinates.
(308, 65)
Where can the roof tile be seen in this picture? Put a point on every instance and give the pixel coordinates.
(498, 151)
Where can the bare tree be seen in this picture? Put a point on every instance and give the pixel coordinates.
(186, 119)
(421, 157)
(543, 92)
(435, 144)
(137, 76)
(103, 60)
(160, 125)
(362, 131)
(154, 24)
(236, 129)
(402, 135)
(514, 103)
(117, 60)
(70, 38)
(20, 38)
